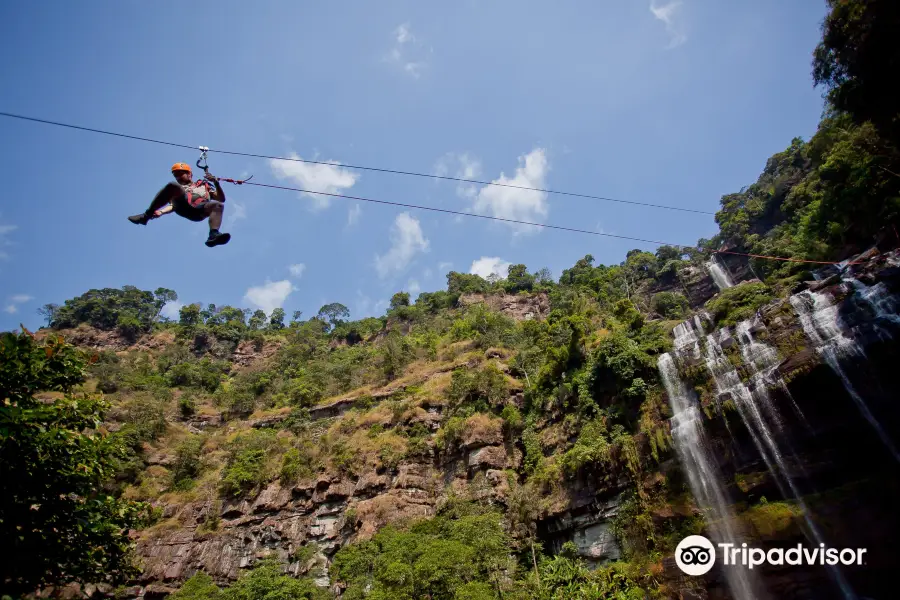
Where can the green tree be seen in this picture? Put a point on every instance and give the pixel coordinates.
(199, 587)
(857, 61)
(57, 523)
(276, 319)
(257, 320)
(334, 314)
(48, 311)
(163, 296)
(518, 279)
(189, 315)
(670, 305)
(399, 299)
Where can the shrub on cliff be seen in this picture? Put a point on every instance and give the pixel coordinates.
(738, 303)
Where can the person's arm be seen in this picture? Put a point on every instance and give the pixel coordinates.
(220, 193)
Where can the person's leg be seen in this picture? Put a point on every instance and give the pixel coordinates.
(215, 210)
(169, 192)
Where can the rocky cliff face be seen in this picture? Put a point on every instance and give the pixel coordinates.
(820, 419)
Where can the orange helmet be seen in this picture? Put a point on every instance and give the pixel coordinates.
(181, 167)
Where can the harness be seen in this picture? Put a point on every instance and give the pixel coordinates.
(196, 199)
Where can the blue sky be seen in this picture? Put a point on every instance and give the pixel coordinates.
(665, 102)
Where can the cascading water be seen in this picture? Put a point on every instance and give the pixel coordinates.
(702, 471)
(758, 412)
(823, 325)
(719, 275)
(879, 299)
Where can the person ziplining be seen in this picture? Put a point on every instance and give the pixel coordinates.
(193, 200)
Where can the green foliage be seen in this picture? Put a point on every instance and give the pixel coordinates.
(333, 314)
(205, 374)
(739, 302)
(512, 418)
(187, 405)
(442, 558)
(188, 461)
(131, 309)
(276, 320)
(294, 465)
(189, 315)
(817, 200)
(247, 464)
(257, 320)
(670, 305)
(395, 354)
(518, 279)
(619, 369)
(592, 447)
(477, 390)
(855, 58)
(398, 300)
(264, 582)
(464, 283)
(449, 434)
(485, 327)
(199, 587)
(57, 522)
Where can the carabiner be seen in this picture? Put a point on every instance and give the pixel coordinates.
(204, 166)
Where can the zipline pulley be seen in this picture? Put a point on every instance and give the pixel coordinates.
(203, 164)
(202, 159)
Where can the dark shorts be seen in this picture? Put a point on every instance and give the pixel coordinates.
(182, 207)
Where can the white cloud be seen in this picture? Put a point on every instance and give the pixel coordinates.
(407, 51)
(443, 266)
(407, 240)
(486, 266)
(329, 178)
(235, 212)
(427, 273)
(414, 288)
(4, 241)
(670, 14)
(297, 270)
(403, 34)
(15, 300)
(353, 215)
(270, 295)
(518, 204)
(171, 310)
(461, 166)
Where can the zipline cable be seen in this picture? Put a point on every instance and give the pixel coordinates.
(457, 212)
(518, 222)
(428, 208)
(358, 167)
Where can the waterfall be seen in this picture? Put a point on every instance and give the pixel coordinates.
(823, 325)
(719, 275)
(879, 299)
(687, 336)
(703, 474)
(758, 412)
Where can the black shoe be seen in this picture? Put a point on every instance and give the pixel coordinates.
(141, 219)
(218, 239)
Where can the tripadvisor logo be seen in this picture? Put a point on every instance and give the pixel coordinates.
(696, 555)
